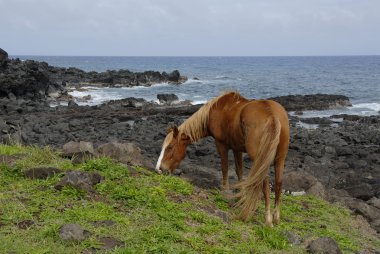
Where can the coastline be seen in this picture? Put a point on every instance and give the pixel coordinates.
(340, 159)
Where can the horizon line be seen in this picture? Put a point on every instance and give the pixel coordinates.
(48, 55)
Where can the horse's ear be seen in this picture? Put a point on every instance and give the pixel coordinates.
(175, 131)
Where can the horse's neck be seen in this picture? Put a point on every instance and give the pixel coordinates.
(196, 126)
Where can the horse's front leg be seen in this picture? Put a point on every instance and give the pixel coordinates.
(239, 164)
(223, 152)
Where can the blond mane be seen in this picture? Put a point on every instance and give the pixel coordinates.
(195, 127)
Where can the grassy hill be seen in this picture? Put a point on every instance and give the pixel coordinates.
(149, 213)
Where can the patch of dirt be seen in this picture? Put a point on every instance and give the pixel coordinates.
(109, 243)
(25, 224)
(11, 159)
(104, 223)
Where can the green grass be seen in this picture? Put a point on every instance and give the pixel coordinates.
(151, 213)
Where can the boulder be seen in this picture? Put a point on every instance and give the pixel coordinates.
(80, 180)
(369, 212)
(324, 245)
(362, 191)
(293, 238)
(78, 151)
(130, 102)
(73, 232)
(174, 76)
(124, 153)
(297, 181)
(167, 98)
(374, 202)
(72, 104)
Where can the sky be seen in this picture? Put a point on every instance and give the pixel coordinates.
(190, 27)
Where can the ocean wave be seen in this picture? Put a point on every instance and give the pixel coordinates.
(145, 87)
(369, 106)
(221, 77)
(196, 81)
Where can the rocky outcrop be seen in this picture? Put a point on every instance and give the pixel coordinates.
(26, 80)
(36, 80)
(3, 58)
(312, 102)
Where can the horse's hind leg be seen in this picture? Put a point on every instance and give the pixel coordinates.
(239, 164)
(279, 169)
(266, 192)
(223, 152)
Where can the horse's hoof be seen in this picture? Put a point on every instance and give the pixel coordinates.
(159, 171)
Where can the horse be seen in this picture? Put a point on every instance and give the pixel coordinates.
(259, 128)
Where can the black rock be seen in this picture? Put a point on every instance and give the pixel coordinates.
(174, 76)
(312, 102)
(80, 180)
(3, 58)
(41, 173)
(167, 98)
(325, 245)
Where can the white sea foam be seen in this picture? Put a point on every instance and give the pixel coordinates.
(199, 102)
(145, 87)
(197, 81)
(367, 106)
(307, 125)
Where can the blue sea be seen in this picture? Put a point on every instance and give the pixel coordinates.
(357, 77)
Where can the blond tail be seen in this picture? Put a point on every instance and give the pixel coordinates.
(250, 189)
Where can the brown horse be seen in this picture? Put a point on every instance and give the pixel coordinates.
(257, 127)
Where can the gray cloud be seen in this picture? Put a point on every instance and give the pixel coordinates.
(196, 27)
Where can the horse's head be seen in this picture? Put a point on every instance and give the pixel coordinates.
(173, 150)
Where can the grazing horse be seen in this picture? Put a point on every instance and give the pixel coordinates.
(257, 127)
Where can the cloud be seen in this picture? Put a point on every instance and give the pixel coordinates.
(197, 27)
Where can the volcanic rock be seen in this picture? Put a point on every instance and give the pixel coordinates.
(312, 102)
(167, 98)
(80, 180)
(73, 232)
(124, 153)
(78, 151)
(3, 57)
(325, 245)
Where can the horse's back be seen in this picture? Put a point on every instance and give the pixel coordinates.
(256, 113)
(232, 115)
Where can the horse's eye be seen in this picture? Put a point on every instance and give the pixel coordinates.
(169, 147)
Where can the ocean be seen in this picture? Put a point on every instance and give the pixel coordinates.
(357, 77)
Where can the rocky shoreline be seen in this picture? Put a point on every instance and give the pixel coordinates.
(38, 80)
(338, 161)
